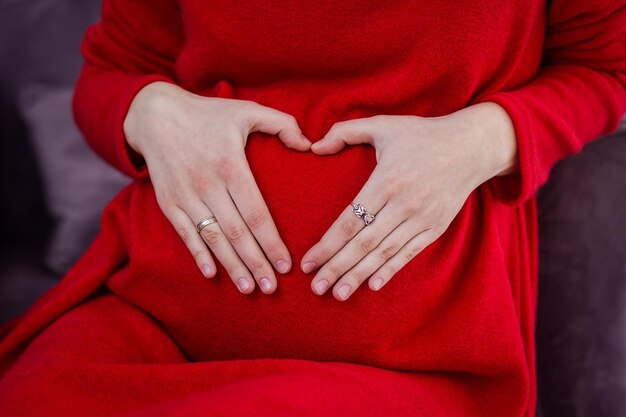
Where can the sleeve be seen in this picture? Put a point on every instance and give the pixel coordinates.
(135, 43)
(579, 93)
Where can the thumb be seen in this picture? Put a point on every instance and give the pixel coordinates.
(275, 122)
(351, 132)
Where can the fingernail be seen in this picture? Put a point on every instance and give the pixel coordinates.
(243, 284)
(206, 270)
(321, 286)
(282, 266)
(304, 138)
(344, 291)
(265, 284)
(308, 267)
(378, 282)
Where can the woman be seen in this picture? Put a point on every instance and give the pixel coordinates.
(431, 128)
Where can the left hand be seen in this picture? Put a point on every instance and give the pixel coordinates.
(426, 168)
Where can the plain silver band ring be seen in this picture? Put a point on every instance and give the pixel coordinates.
(204, 223)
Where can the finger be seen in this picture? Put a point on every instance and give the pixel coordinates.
(186, 229)
(388, 248)
(275, 122)
(345, 227)
(236, 231)
(363, 243)
(250, 203)
(350, 132)
(409, 251)
(214, 237)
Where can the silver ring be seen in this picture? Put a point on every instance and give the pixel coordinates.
(204, 223)
(360, 212)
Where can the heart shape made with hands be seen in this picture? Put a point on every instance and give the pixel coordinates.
(345, 245)
(426, 169)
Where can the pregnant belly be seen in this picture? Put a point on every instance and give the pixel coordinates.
(437, 301)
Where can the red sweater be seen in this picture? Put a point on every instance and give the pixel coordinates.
(458, 319)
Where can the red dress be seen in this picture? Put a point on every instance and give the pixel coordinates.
(134, 329)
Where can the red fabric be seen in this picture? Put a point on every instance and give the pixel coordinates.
(134, 329)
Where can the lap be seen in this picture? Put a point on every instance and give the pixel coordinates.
(104, 329)
(106, 357)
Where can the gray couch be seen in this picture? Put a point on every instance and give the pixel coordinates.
(581, 327)
(54, 187)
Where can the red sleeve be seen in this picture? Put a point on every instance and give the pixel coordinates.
(135, 43)
(579, 94)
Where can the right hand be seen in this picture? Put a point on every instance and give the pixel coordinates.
(194, 150)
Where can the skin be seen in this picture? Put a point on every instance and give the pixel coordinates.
(173, 129)
(426, 168)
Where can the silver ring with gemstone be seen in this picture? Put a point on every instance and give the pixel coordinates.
(360, 212)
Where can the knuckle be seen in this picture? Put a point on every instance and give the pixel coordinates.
(274, 250)
(210, 236)
(388, 252)
(348, 227)
(233, 269)
(390, 270)
(366, 244)
(185, 234)
(336, 129)
(438, 231)
(234, 233)
(250, 112)
(408, 208)
(197, 253)
(203, 183)
(412, 253)
(323, 253)
(291, 119)
(334, 270)
(393, 185)
(257, 266)
(257, 218)
(165, 201)
(249, 105)
(225, 167)
(358, 278)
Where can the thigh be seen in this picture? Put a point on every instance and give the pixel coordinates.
(103, 329)
(83, 352)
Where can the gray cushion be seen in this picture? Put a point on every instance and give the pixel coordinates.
(77, 183)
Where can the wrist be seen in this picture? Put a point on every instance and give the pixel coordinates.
(500, 133)
(494, 134)
(147, 104)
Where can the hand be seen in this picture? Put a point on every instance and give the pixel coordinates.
(426, 168)
(194, 150)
